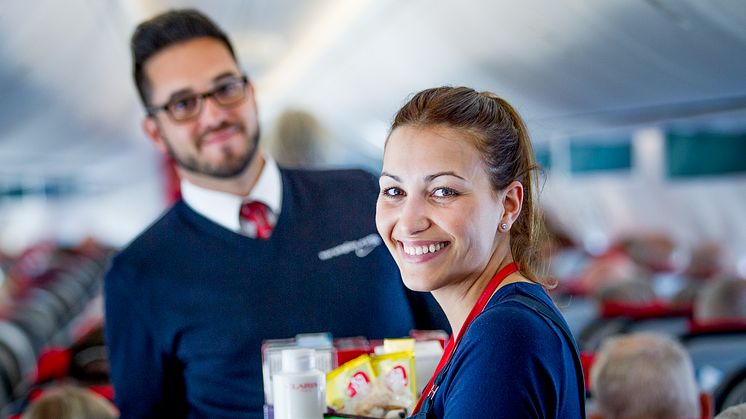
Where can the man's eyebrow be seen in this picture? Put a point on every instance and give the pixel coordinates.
(188, 90)
(227, 74)
(180, 93)
(396, 178)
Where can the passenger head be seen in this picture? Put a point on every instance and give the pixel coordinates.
(299, 139)
(467, 159)
(70, 402)
(651, 250)
(200, 106)
(722, 299)
(636, 291)
(88, 359)
(734, 412)
(705, 261)
(644, 376)
(609, 269)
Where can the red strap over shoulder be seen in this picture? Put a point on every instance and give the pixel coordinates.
(482, 301)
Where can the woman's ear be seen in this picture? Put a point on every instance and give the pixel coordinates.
(512, 202)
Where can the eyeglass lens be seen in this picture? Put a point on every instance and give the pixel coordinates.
(225, 94)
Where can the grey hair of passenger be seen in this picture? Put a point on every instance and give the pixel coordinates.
(644, 375)
(722, 299)
(69, 401)
(734, 412)
(633, 291)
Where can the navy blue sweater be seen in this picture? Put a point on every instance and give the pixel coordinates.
(188, 302)
(511, 363)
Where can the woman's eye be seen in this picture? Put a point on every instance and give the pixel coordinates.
(444, 193)
(392, 192)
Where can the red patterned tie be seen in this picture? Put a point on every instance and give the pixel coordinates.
(255, 220)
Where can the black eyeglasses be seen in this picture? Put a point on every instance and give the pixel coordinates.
(228, 93)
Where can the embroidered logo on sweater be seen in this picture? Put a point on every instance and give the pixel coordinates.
(361, 247)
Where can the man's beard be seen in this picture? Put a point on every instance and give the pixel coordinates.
(233, 166)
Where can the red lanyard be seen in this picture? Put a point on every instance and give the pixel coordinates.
(451, 345)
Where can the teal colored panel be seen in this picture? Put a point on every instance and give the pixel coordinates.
(543, 157)
(705, 154)
(588, 157)
(14, 191)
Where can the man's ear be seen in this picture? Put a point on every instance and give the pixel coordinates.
(153, 131)
(252, 93)
(513, 202)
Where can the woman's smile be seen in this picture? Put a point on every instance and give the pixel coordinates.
(421, 251)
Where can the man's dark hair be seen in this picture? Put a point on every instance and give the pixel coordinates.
(164, 30)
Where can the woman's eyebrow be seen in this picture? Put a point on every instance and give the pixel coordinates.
(430, 178)
(396, 178)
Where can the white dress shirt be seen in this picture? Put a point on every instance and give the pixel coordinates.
(223, 208)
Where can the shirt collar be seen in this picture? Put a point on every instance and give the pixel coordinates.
(222, 208)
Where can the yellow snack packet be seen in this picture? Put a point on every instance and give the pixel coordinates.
(395, 372)
(398, 345)
(349, 383)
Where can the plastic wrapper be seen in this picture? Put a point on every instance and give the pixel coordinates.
(378, 387)
(395, 373)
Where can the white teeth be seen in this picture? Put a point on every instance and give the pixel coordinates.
(422, 250)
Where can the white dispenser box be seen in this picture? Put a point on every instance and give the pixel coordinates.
(299, 390)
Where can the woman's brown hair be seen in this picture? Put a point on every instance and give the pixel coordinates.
(500, 135)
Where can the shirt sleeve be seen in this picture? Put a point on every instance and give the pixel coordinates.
(504, 368)
(137, 366)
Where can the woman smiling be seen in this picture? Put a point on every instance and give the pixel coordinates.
(458, 212)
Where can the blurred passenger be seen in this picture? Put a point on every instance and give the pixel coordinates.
(704, 267)
(298, 140)
(645, 376)
(607, 269)
(654, 251)
(458, 210)
(723, 299)
(84, 361)
(252, 252)
(705, 261)
(627, 291)
(70, 402)
(88, 361)
(734, 412)
(688, 293)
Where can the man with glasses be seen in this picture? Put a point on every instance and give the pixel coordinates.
(250, 252)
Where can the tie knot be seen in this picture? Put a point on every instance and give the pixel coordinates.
(256, 220)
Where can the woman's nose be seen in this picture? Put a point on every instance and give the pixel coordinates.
(413, 218)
